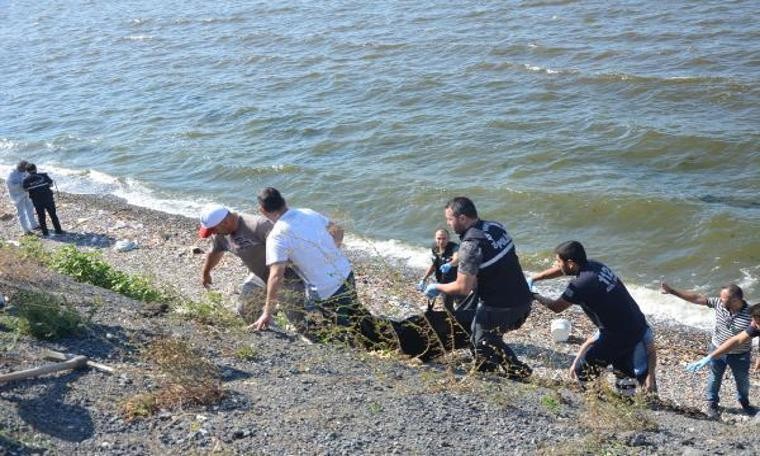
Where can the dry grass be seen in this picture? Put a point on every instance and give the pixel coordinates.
(186, 379)
(606, 411)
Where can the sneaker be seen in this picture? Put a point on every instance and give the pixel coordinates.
(748, 408)
(712, 411)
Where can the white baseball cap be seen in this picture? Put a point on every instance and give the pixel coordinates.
(210, 218)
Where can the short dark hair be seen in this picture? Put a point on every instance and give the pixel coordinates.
(22, 165)
(271, 200)
(734, 291)
(571, 250)
(754, 311)
(31, 168)
(462, 206)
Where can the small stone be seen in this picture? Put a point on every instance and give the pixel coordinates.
(637, 440)
(196, 250)
(5, 217)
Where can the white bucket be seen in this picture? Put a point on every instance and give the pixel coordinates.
(560, 329)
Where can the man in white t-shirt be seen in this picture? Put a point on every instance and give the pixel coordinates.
(310, 243)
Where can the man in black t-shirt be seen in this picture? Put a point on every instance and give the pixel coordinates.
(488, 261)
(606, 301)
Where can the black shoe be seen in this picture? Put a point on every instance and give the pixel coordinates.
(712, 411)
(60, 232)
(748, 408)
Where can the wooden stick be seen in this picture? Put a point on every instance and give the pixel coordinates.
(73, 363)
(58, 356)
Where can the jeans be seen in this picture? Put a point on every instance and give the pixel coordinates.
(739, 364)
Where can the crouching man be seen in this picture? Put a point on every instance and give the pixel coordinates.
(624, 339)
(488, 262)
(245, 236)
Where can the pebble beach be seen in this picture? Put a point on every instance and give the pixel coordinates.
(296, 397)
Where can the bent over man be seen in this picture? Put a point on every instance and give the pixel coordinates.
(309, 243)
(624, 337)
(245, 236)
(488, 261)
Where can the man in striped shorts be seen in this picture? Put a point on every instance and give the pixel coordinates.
(731, 318)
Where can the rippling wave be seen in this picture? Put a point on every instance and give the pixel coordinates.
(630, 126)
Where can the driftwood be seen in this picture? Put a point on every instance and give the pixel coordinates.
(67, 362)
(73, 363)
(58, 356)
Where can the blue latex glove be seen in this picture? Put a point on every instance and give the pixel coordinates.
(431, 291)
(445, 267)
(530, 284)
(421, 285)
(693, 367)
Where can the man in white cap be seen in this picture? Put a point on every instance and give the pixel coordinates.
(245, 236)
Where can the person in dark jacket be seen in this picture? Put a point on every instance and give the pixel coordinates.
(38, 185)
(487, 258)
(443, 265)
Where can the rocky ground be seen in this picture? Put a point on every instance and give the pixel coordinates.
(284, 395)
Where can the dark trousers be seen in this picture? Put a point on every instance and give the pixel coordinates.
(488, 328)
(346, 319)
(606, 351)
(40, 207)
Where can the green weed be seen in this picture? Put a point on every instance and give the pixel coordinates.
(246, 353)
(209, 311)
(45, 316)
(89, 267)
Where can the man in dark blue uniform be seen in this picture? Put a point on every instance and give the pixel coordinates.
(488, 262)
(38, 186)
(623, 331)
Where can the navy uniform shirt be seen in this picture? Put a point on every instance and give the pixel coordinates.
(606, 301)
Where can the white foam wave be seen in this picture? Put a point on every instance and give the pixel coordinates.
(90, 181)
(7, 144)
(414, 257)
(539, 69)
(138, 37)
(651, 301)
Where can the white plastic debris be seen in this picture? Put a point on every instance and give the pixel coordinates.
(560, 329)
(125, 245)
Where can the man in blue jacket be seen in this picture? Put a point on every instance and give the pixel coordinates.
(38, 185)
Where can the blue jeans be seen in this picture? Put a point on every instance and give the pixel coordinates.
(739, 366)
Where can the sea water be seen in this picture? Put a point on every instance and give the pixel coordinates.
(629, 126)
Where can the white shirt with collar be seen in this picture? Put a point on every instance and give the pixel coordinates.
(300, 237)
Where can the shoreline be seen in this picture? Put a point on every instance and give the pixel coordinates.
(166, 254)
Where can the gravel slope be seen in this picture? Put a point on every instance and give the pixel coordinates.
(298, 398)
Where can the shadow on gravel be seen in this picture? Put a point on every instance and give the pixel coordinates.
(555, 359)
(230, 374)
(10, 446)
(100, 342)
(48, 413)
(97, 240)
